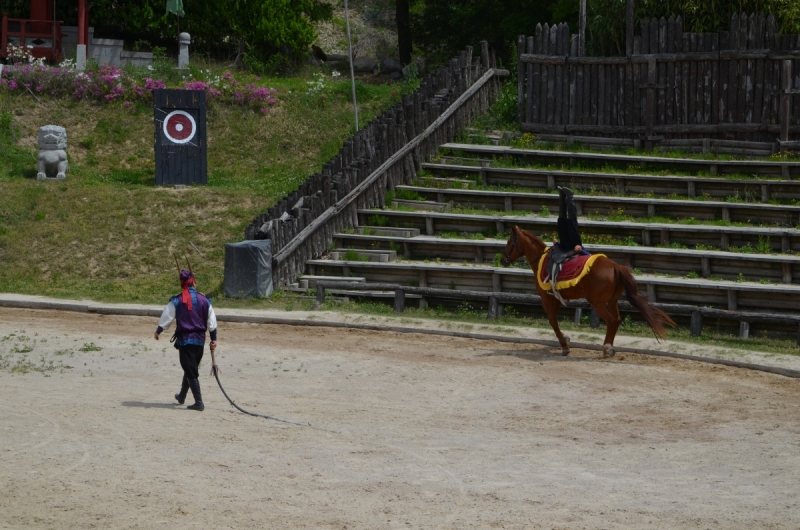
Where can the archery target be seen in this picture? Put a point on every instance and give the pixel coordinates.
(179, 127)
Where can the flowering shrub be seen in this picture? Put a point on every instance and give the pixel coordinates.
(22, 55)
(317, 87)
(109, 84)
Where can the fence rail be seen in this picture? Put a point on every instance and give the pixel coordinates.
(386, 153)
(742, 84)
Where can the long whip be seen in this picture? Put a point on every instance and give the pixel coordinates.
(240, 409)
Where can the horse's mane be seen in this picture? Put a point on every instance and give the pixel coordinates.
(534, 236)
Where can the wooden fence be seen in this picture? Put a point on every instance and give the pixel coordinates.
(743, 84)
(386, 153)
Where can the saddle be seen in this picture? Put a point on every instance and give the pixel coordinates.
(555, 259)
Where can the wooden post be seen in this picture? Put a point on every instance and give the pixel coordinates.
(786, 100)
(744, 330)
(582, 29)
(594, 319)
(629, 28)
(493, 308)
(320, 295)
(484, 55)
(578, 315)
(399, 300)
(696, 324)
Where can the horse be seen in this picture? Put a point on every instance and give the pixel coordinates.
(602, 287)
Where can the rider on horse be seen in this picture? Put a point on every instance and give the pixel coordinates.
(569, 244)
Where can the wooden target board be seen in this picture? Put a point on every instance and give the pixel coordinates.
(180, 137)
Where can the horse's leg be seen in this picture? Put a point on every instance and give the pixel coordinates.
(609, 312)
(551, 306)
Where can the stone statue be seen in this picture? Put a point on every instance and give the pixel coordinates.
(52, 157)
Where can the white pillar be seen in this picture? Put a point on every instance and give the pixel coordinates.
(80, 58)
(183, 56)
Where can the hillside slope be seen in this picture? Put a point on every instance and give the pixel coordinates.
(108, 233)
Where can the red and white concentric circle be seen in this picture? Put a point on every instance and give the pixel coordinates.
(179, 127)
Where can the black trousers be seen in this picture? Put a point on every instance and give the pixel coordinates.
(191, 355)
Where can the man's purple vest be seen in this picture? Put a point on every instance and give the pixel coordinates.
(191, 325)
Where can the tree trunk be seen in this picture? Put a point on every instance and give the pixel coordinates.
(403, 31)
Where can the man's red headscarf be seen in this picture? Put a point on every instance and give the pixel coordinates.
(187, 280)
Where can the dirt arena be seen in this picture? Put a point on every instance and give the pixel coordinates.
(408, 431)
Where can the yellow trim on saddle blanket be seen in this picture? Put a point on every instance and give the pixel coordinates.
(564, 284)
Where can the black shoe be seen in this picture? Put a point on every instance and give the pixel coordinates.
(194, 384)
(180, 397)
(566, 192)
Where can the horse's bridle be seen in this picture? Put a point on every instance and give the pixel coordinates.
(507, 257)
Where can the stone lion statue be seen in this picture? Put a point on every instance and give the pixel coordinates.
(52, 155)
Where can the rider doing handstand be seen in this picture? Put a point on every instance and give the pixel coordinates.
(569, 236)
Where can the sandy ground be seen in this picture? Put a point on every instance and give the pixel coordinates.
(408, 431)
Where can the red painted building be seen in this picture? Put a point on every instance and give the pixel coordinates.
(41, 31)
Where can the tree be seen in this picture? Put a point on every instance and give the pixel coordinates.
(445, 26)
(263, 34)
(403, 16)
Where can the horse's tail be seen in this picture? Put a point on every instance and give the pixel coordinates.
(655, 317)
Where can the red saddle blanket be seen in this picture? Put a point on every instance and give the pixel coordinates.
(571, 271)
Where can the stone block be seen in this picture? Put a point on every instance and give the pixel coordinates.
(183, 55)
(389, 66)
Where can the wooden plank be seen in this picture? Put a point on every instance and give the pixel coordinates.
(707, 73)
(653, 35)
(662, 71)
(573, 89)
(733, 72)
(559, 79)
(692, 95)
(758, 94)
(722, 81)
(551, 76)
(544, 75)
(537, 77)
(714, 112)
(594, 77)
(601, 95)
(741, 103)
(579, 95)
(528, 82)
(669, 98)
(617, 82)
(568, 72)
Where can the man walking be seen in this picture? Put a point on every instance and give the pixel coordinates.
(194, 316)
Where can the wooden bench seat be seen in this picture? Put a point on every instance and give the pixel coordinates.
(758, 167)
(742, 212)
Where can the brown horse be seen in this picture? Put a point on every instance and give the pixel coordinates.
(601, 287)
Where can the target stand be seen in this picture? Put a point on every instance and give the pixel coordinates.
(180, 137)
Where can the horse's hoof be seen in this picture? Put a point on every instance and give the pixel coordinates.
(564, 352)
(608, 351)
(565, 346)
